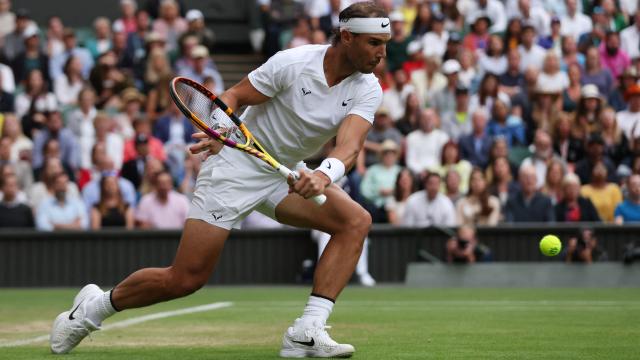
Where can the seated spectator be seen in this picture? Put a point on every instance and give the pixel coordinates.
(395, 98)
(158, 73)
(139, 43)
(174, 130)
(152, 167)
(444, 100)
(128, 15)
(34, 103)
(531, 54)
(55, 33)
(506, 125)
(424, 145)
(80, 122)
(21, 145)
(456, 123)
(21, 168)
(43, 188)
(396, 205)
(587, 113)
(108, 80)
(428, 81)
(378, 182)
(571, 55)
(132, 105)
(169, 24)
(575, 23)
(301, 33)
(613, 58)
(409, 121)
(197, 27)
(103, 166)
(451, 186)
(451, 160)
(7, 100)
(163, 208)
(584, 248)
(56, 63)
(478, 38)
(68, 145)
(629, 210)
(528, 204)
(616, 146)
(102, 39)
(142, 125)
(488, 92)
(626, 119)
(464, 247)
(551, 77)
(478, 207)
(202, 67)
(512, 80)
(103, 123)
(60, 211)
(14, 40)
(13, 213)
(553, 181)
(429, 207)
(468, 72)
(68, 85)
(434, 42)
(397, 45)
(595, 74)
(604, 195)
(616, 98)
(492, 60)
(522, 102)
(546, 107)
(513, 34)
(595, 154)
(568, 148)
(553, 41)
(500, 177)
(499, 148)
(31, 58)
(573, 207)
(572, 93)
(112, 210)
(542, 157)
(475, 146)
(381, 131)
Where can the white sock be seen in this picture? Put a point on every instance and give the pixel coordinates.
(100, 308)
(318, 308)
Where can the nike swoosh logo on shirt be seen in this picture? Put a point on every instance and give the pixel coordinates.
(344, 103)
(307, 343)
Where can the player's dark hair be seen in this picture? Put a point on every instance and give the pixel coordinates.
(367, 9)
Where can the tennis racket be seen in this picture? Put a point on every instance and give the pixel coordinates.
(213, 117)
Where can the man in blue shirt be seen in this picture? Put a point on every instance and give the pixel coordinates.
(61, 212)
(629, 210)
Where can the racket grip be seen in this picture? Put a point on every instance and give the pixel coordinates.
(319, 200)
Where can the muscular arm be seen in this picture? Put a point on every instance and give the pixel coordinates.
(243, 94)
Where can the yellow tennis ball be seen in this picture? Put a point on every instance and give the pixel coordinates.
(550, 245)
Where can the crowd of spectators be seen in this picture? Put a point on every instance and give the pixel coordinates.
(493, 111)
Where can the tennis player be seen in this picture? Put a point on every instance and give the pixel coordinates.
(298, 100)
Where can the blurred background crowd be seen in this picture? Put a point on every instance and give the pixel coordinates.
(493, 111)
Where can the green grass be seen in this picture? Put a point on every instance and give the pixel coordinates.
(382, 323)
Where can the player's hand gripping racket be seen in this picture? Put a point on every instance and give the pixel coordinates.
(212, 116)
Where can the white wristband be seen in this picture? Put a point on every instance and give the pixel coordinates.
(332, 167)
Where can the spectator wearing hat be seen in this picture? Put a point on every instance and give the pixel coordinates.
(629, 210)
(595, 155)
(142, 125)
(397, 46)
(169, 24)
(547, 104)
(202, 67)
(478, 38)
(69, 148)
(196, 27)
(416, 58)
(629, 119)
(7, 18)
(512, 80)
(31, 57)
(575, 23)
(493, 9)
(434, 43)
(454, 49)
(378, 183)
(132, 105)
(444, 101)
(553, 41)
(604, 195)
(56, 63)
(394, 99)
(630, 38)
(14, 43)
(528, 204)
(456, 123)
(574, 207)
(475, 146)
(429, 207)
(627, 78)
(612, 57)
(531, 54)
(587, 113)
(13, 213)
(424, 145)
(163, 208)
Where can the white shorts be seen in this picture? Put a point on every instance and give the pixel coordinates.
(232, 184)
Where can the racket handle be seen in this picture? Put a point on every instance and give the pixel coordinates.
(284, 171)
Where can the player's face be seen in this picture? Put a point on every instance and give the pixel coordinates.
(367, 50)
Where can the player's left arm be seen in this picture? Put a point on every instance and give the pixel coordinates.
(349, 142)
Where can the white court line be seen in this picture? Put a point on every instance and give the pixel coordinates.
(133, 321)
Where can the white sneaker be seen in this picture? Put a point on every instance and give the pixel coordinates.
(367, 280)
(310, 339)
(72, 326)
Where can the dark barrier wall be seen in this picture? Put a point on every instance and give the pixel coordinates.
(254, 256)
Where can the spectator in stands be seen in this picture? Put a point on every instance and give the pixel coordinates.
(174, 130)
(428, 81)
(628, 78)
(531, 54)
(452, 181)
(163, 208)
(553, 41)
(434, 42)
(136, 51)
(575, 23)
(542, 157)
(69, 148)
(158, 73)
(532, 13)
(506, 125)
(202, 67)
(528, 204)
(588, 112)
(13, 213)
(169, 24)
(604, 195)
(500, 178)
(630, 38)
(403, 188)
(60, 211)
(55, 33)
(33, 104)
(492, 60)
(551, 77)
(13, 43)
(478, 206)
(467, 75)
(119, 44)
(547, 105)
(429, 207)
(627, 119)
(151, 168)
(422, 23)
(56, 63)
(451, 160)
(570, 54)
(32, 57)
(571, 95)
(583, 248)
(444, 101)
(629, 210)
(7, 18)
(132, 103)
(21, 168)
(552, 187)
(424, 145)
(567, 147)
(595, 154)
(301, 33)
(382, 130)
(102, 39)
(67, 86)
(103, 124)
(192, 165)
(475, 146)
(21, 145)
(128, 18)
(142, 125)
(522, 102)
(616, 146)
(108, 80)
(44, 186)
(478, 38)
(612, 57)
(397, 46)
(616, 20)
(409, 121)
(457, 123)
(112, 210)
(197, 28)
(488, 92)
(133, 169)
(463, 248)
(573, 207)
(512, 80)
(378, 182)
(595, 74)
(493, 9)
(80, 122)
(395, 98)
(103, 166)
(513, 34)
(7, 100)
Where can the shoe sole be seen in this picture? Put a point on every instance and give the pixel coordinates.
(300, 353)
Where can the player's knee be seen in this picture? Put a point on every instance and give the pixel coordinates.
(183, 284)
(361, 223)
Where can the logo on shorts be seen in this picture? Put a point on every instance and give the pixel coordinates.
(305, 92)
(344, 103)
(216, 217)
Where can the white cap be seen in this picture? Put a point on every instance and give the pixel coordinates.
(31, 30)
(194, 14)
(200, 51)
(450, 66)
(396, 16)
(414, 47)
(590, 91)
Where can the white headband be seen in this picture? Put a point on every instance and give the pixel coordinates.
(366, 25)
